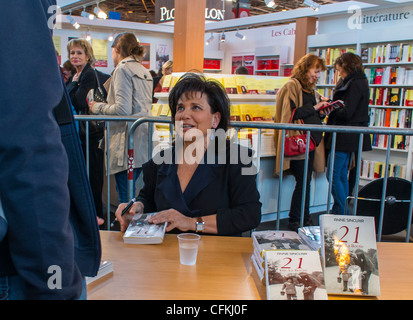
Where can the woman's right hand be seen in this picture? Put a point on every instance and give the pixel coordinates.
(124, 220)
(320, 104)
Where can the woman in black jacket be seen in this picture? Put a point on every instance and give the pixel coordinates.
(353, 89)
(80, 54)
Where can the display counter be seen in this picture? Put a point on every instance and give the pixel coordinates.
(223, 271)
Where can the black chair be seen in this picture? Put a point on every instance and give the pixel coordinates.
(396, 208)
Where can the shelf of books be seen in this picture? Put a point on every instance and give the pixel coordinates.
(389, 70)
(272, 61)
(252, 99)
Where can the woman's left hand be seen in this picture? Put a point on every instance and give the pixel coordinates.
(175, 219)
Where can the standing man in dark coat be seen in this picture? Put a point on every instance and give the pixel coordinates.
(52, 240)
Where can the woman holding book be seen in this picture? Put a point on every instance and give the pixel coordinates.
(298, 95)
(353, 89)
(203, 183)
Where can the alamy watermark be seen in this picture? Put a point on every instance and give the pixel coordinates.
(358, 19)
(55, 20)
(196, 147)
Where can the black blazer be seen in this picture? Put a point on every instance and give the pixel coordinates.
(78, 90)
(354, 91)
(219, 189)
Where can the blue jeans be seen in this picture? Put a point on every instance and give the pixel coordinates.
(121, 179)
(339, 187)
(14, 288)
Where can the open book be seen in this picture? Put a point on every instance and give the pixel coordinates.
(140, 231)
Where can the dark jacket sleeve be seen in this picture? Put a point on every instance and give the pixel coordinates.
(78, 90)
(34, 165)
(146, 194)
(305, 111)
(245, 206)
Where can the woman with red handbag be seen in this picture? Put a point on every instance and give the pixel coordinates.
(298, 101)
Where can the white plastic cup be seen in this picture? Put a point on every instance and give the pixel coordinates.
(188, 248)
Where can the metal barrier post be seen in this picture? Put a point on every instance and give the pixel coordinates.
(280, 178)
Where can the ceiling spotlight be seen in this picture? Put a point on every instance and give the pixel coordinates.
(211, 38)
(111, 37)
(313, 5)
(222, 37)
(73, 22)
(270, 3)
(240, 35)
(87, 15)
(99, 13)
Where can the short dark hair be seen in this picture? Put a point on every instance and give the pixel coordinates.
(241, 70)
(215, 91)
(350, 62)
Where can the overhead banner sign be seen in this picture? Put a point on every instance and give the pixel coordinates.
(214, 11)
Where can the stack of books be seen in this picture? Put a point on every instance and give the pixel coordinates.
(287, 266)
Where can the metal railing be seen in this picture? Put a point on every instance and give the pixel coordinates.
(283, 127)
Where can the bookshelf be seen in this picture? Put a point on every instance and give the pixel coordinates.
(388, 60)
(213, 61)
(272, 61)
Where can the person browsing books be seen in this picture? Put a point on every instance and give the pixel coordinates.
(130, 93)
(298, 95)
(353, 89)
(203, 182)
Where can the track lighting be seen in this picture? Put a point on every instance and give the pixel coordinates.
(222, 37)
(111, 37)
(240, 35)
(270, 3)
(99, 13)
(73, 22)
(211, 38)
(88, 36)
(87, 15)
(313, 5)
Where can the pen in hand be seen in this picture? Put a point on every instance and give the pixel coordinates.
(124, 211)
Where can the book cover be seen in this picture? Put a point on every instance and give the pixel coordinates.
(394, 97)
(269, 240)
(140, 231)
(277, 240)
(332, 106)
(294, 275)
(409, 98)
(349, 254)
(235, 115)
(378, 76)
(241, 83)
(168, 83)
(230, 85)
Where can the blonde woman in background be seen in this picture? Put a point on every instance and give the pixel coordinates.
(84, 79)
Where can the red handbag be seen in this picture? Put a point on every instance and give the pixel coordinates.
(296, 145)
